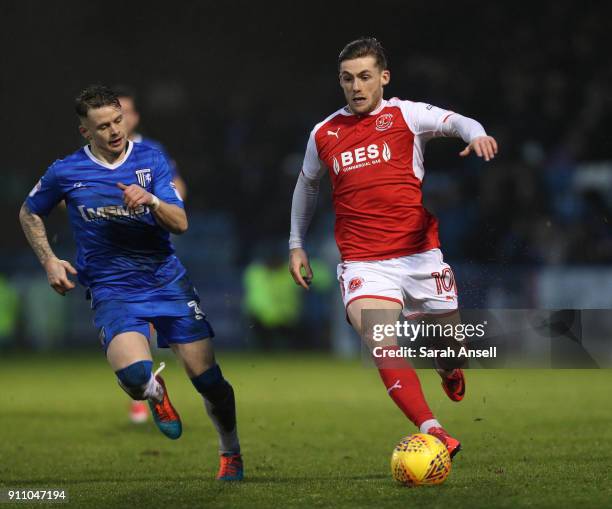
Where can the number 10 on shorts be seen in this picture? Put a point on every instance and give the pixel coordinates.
(445, 281)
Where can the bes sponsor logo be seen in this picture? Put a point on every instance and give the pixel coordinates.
(361, 157)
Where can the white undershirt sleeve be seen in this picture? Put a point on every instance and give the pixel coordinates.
(305, 194)
(302, 209)
(462, 127)
(432, 122)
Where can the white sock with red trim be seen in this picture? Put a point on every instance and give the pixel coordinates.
(427, 425)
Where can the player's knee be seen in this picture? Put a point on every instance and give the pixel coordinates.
(209, 381)
(135, 374)
(134, 378)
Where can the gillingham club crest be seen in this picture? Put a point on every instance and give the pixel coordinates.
(144, 177)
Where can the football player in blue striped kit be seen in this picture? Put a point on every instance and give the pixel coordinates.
(122, 206)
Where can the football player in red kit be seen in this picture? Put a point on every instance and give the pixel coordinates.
(373, 150)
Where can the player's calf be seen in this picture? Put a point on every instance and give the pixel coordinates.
(220, 405)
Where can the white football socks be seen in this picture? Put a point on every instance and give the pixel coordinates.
(430, 423)
(228, 441)
(154, 390)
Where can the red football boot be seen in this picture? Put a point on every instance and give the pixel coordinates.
(231, 468)
(452, 444)
(454, 385)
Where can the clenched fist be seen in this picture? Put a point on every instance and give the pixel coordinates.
(134, 195)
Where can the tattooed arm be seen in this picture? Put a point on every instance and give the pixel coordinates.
(56, 269)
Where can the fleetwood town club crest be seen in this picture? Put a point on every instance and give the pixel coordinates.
(144, 177)
(384, 121)
(355, 284)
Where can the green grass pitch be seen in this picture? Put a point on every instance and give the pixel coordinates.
(316, 432)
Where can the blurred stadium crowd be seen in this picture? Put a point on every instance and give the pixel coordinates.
(234, 109)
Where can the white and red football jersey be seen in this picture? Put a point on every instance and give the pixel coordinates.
(375, 163)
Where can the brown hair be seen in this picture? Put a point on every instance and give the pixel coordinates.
(363, 47)
(95, 96)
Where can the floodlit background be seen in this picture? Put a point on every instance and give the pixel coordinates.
(232, 90)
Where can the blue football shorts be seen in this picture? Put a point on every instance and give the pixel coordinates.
(175, 321)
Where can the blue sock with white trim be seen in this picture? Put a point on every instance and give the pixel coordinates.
(220, 405)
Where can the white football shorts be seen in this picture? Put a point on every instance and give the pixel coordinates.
(421, 283)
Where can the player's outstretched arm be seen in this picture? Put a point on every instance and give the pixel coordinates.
(57, 270)
(472, 132)
(170, 217)
(432, 121)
